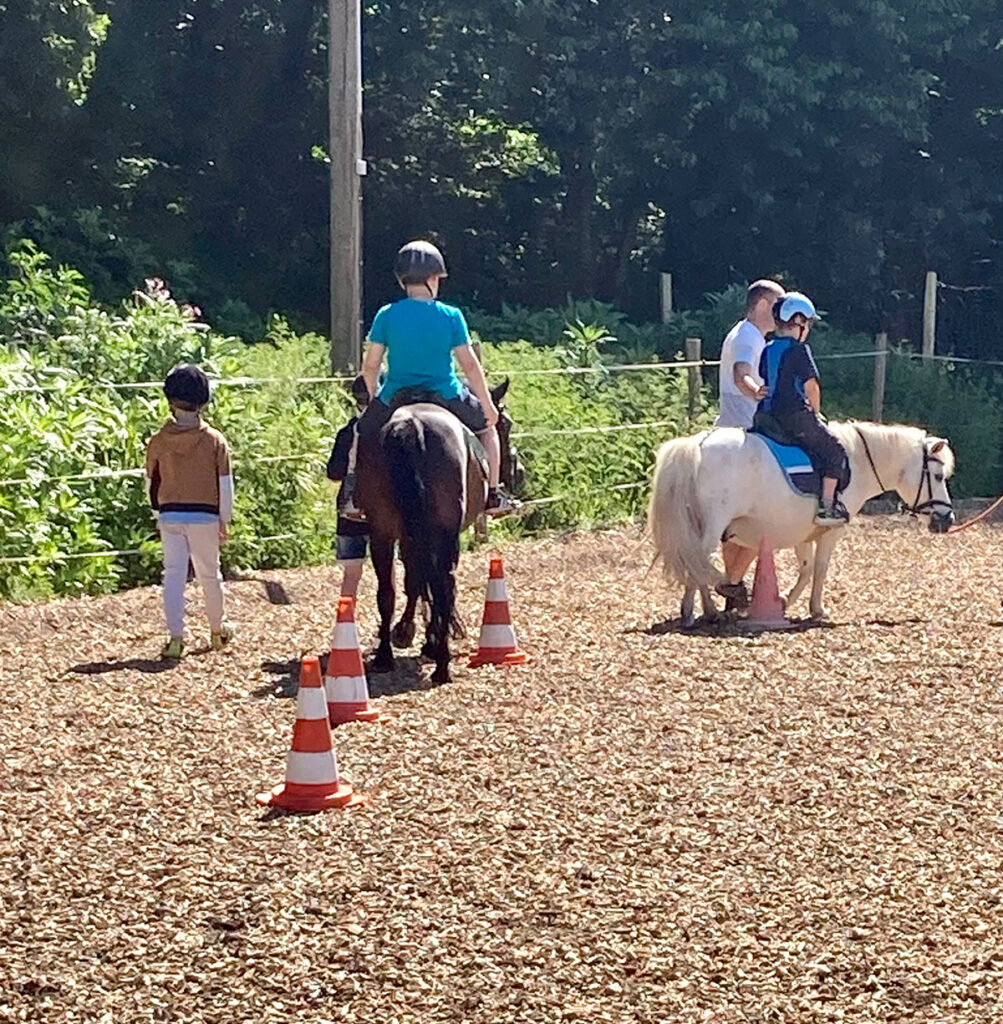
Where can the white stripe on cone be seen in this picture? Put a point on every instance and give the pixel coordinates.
(312, 769)
(497, 636)
(346, 690)
(345, 637)
(311, 702)
(496, 591)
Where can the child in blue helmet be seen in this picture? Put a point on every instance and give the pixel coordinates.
(420, 338)
(791, 377)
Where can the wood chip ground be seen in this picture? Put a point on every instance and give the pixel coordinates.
(642, 826)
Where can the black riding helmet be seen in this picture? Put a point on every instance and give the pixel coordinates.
(417, 261)
(187, 383)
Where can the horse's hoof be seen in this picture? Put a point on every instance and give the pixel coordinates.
(442, 675)
(382, 663)
(402, 635)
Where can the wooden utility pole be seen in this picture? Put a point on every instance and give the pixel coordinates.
(665, 296)
(347, 167)
(930, 314)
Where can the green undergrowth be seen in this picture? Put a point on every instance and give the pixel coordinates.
(62, 426)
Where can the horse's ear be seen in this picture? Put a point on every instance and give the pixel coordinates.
(499, 392)
(939, 444)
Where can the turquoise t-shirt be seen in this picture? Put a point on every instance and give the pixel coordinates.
(419, 338)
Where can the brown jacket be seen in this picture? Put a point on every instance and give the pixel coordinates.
(184, 465)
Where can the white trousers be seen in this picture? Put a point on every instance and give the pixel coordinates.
(200, 542)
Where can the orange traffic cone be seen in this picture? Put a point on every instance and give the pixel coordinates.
(766, 610)
(312, 782)
(347, 692)
(497, 645)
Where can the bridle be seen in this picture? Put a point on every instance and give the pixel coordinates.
(933, 506)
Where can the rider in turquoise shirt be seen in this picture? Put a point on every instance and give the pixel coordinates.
(420, 337)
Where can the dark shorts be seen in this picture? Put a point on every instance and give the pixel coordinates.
(466, 407)
(352, 540)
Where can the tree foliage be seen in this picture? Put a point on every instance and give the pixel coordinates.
(554, 149)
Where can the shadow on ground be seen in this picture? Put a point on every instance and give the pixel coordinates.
(97, 668)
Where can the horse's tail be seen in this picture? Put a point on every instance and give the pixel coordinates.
(674, 520)
(433, 551)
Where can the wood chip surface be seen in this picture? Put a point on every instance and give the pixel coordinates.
(644, 825)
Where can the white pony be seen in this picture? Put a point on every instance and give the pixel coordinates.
(726, 484)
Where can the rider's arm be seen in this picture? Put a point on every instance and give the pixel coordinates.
(813, 393)
(371, 365)
(746, 381)
(474, 372)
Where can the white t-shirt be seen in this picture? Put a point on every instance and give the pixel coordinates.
(744, 344)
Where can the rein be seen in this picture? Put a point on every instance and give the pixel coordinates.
(916, 508)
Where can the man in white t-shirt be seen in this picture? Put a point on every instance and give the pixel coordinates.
(741, 389)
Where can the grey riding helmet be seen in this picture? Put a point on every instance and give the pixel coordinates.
(417, 261)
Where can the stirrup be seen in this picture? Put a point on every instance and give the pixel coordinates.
(836, 515)
(500, 504)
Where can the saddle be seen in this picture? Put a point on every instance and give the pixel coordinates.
(422, 396)
(796, 464)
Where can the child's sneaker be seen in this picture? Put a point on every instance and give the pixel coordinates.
(499, 503)
(221, 637)
(832, 515)
(173, 649)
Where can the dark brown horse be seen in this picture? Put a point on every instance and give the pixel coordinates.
(422, 484)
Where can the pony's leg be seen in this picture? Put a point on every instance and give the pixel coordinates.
(383, 561)
(804, 553)
(710, 610)
(824, 547)
(686, 610)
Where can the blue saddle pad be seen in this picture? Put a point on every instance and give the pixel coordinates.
(797, 467)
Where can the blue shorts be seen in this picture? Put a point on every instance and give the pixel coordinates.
(351, 549)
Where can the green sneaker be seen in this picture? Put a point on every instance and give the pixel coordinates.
(173, 649)
(218, 640)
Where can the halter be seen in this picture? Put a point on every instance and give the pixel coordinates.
(916, 508)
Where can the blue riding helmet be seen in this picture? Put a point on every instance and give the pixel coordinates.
(790, 304)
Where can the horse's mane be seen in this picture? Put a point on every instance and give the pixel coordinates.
(891, 434)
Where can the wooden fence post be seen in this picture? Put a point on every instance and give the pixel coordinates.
(665, 295)
(880, 370)
(693, 375)
(930, 314)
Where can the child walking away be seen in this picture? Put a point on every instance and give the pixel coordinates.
(191, 488)
(420, 338)
(794, 399)
(352, 538)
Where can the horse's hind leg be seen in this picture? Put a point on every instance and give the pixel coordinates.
(686, 609)
(710, 609)
(383, 561)
(402, 634)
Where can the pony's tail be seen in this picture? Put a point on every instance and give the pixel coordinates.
(433, 551)
(674, 519)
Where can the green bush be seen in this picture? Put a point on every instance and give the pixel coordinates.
(60, 351)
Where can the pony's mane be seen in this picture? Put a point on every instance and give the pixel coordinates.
(895, 433)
